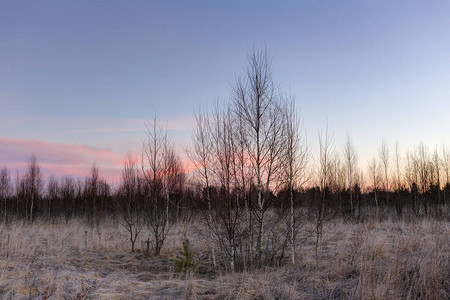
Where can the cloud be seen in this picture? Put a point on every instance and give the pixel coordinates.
(59, 158)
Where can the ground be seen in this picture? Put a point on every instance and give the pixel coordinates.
(386, 259)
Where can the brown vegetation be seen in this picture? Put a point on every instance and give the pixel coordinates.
(367, 260)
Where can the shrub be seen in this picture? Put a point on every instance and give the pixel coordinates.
(185, 262)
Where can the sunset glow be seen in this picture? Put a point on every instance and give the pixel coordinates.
(61, 159)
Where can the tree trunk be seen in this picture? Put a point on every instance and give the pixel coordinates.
(291, 194)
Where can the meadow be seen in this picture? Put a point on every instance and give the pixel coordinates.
(372, 259)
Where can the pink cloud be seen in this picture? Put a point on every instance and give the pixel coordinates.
(60, 159)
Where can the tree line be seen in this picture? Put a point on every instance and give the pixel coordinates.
(255, 180)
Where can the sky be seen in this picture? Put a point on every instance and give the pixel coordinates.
(80, 79)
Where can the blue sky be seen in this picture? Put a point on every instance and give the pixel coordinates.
(87, 73)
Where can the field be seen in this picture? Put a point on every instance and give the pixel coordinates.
(385, 259)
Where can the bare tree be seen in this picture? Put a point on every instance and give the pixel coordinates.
(446, 170)
(423, 168)
(337, 176)
(410, 169)
(326, 151)
(296, 159)
(350, 161)
(68, 192)
(359, 181)
(158, 160)
(19, 191)
(399, 188)
(258, 106)
(52, 195)
(91, 195)
(397, 167)
(223, 153)
(129, 210)
(5, 190)
(200, 156)
(373, 169)
(383, 152)
(243, 178)
(33, 186)
(412, 178)
(152, 166)
(173, 179)
(436, 163)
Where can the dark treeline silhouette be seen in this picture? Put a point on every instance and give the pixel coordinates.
(93, 197)
(254, 183)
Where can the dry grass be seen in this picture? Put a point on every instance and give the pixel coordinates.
(378, 260)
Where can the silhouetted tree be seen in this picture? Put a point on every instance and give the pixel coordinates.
(200, 156)
(350, 163)
(68, 191)
(373, 169)
(326, 151)
(259, 108)
(33, 186)
(162, 171)
(5, 191)
(53, 197)
(383, 152)
(127, 200)
(295, 162)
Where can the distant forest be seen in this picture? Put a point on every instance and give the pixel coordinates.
(252, 165)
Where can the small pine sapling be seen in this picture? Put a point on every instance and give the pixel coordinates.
(185, 262)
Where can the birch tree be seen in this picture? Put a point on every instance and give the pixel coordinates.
(243, 178)
(33, 186)
(399, 201)
(373, 170)
(163, 174)
(227, 212)
(152, 166)
(383, 153)
(91, 195)
(436, 162)
(423, 168)
(350, 163)
(128, 205)
(326, 152)
(296, 156)
(412, 178)
(200, 156)
(258, 106)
